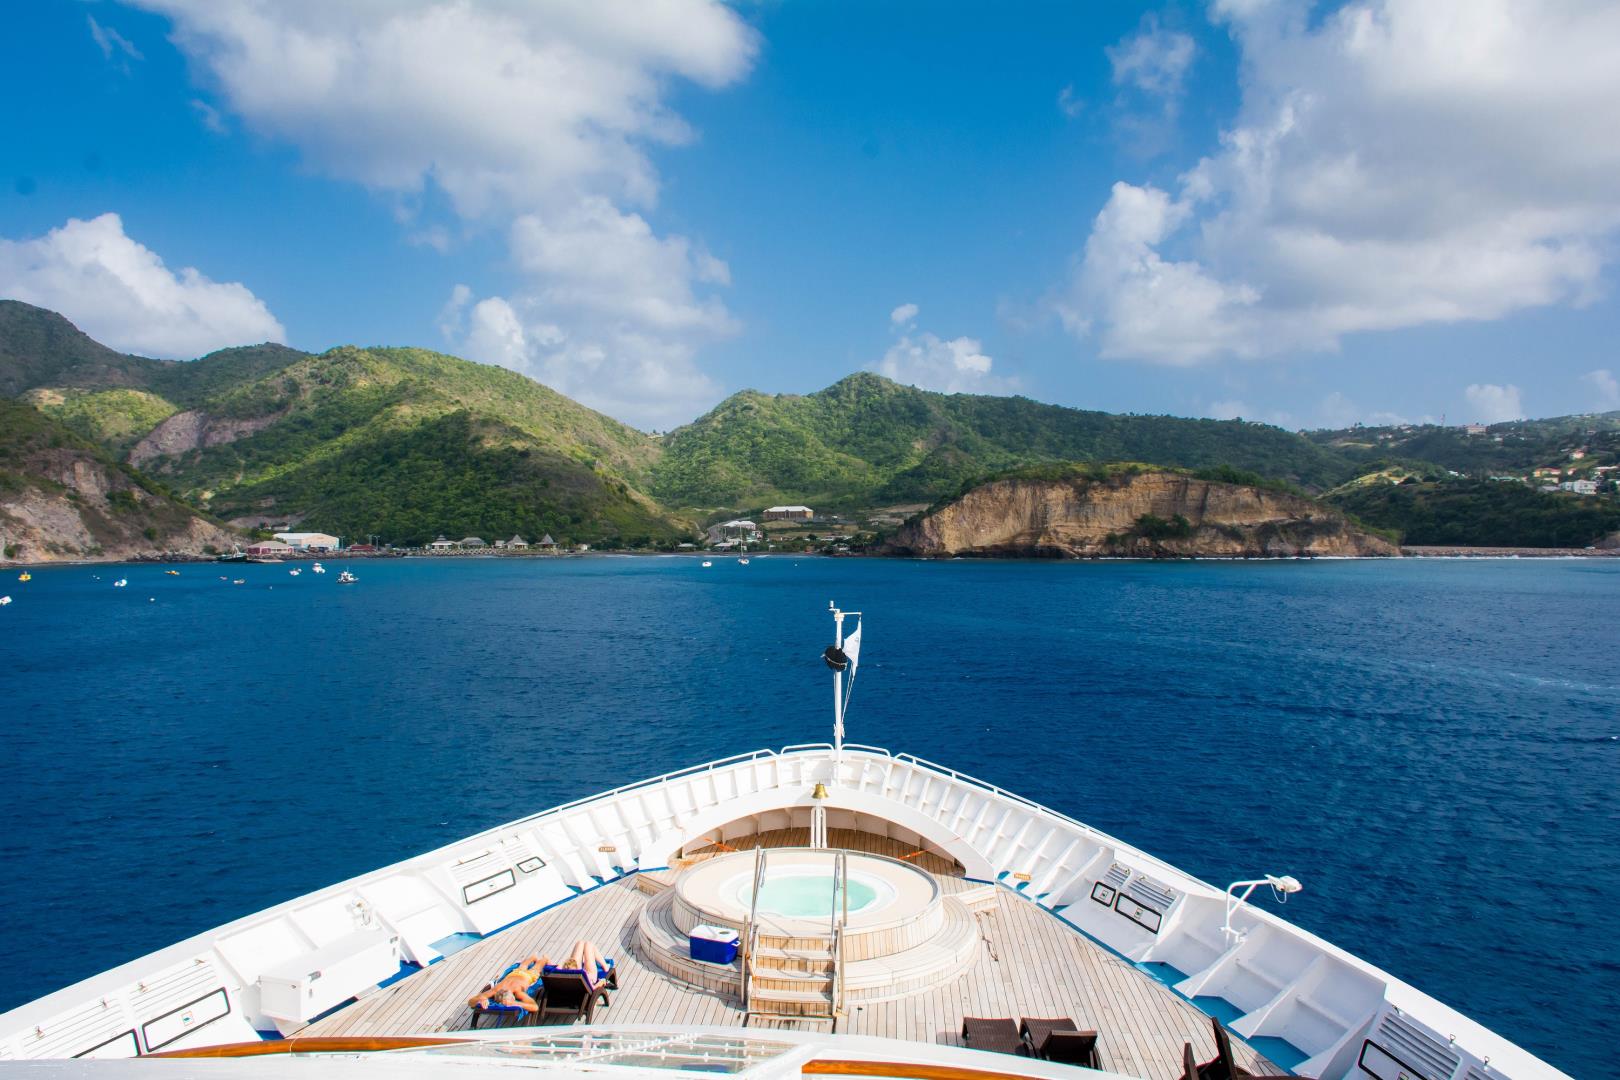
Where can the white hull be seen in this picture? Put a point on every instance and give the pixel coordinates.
(252, 975)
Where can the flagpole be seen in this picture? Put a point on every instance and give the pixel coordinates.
(838, 687)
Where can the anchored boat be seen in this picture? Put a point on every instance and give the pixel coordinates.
(827, 908)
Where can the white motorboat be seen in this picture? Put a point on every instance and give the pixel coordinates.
(821, 909)
(346, 578)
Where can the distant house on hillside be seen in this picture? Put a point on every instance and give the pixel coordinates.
(547, 543)
(517, 543)
(309, 541)
(1473, 429)
(1579, 487)
(789, 513)
(471, 542)
(263, 549)
(441, 544)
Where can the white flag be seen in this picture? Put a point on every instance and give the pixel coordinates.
(852, 649)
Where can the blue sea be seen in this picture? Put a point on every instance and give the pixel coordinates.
(1431, 747)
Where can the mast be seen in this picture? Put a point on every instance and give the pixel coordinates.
(838, 685)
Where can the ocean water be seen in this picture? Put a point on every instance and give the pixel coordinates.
(1431, 747)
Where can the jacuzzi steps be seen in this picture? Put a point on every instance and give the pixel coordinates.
(797, 980)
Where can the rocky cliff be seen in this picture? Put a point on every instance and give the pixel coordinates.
(63, 499)
(1148, 513)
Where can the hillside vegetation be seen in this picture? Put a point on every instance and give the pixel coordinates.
(62, 497)
(867, 441)
(1487, 513)
(406, 443)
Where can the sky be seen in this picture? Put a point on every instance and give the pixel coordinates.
(1311, 215)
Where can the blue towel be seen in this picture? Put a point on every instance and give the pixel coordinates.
(601, 972)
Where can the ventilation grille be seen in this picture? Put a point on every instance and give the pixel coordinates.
(1153, 893)
(1476, 1072)
(477, 868)
(517, 849)
(1419, 1049)
(74, 1032)
(1116, 875)
(173, 988)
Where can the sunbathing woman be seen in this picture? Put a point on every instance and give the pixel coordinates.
(513, 988)
(586, 958)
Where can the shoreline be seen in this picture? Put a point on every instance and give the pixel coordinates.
(1427, 553)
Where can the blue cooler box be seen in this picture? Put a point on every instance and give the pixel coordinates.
(713, 944)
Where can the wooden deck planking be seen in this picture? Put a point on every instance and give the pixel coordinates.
(1029, 963)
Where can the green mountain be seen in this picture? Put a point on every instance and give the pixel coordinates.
(1513, 447)
(408, 444)
(404, 443)
(868, 441)
(62, 497)
(1489, 513)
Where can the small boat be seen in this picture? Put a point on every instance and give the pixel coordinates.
(295, 572)
(172, 573)
(234, 556)
(317, 569)
(4, 600)
(347, 578)
(743, 561)
(25, 576)
(706, 562)
(120, 583)
(239, 581)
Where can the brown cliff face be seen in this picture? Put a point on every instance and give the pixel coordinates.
(1084, 517)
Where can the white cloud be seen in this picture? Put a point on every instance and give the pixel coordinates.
(1398, 163)
(1492, 403)
(1605, 389)
(113, 45)
(534, 118)
(122, 294)
(1153, 60)
(1228, 410)
(954, 366)
(209, 116)
(610, 314)
(1068, 104)
(502, 105)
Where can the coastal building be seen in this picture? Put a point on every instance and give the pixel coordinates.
(361, 549)
(517, 543)
(309, 541)
(1579, 487)
(266, 549)
(441, 544)
(789, 513)
(1473, 429)
(547, 543)
(471, 542)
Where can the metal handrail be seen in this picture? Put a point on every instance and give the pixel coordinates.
(751, 930)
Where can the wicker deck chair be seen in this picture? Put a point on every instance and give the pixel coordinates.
(1034, 1031)
(570, 997)
(998, 1034)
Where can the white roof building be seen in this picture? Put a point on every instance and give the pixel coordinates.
(306, 540)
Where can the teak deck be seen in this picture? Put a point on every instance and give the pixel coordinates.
(1029, 964)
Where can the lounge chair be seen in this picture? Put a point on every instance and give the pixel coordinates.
(1034, 1031)
(998, 1034)
(505, 1012)
(570, 996)
(1224, 1066)
(1073, 1048)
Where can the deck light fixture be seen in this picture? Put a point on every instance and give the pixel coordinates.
(1282, 887)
